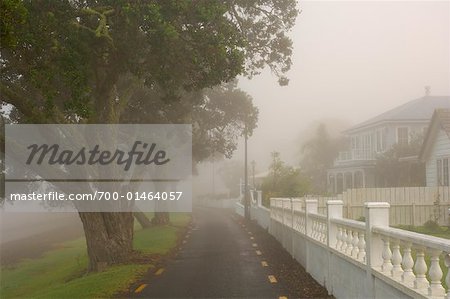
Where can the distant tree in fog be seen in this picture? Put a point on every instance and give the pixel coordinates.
(318, 155)
(283, 181)
(393, 171)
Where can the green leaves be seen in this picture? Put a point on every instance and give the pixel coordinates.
(71, 54)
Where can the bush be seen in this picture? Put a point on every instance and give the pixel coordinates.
(432, 225)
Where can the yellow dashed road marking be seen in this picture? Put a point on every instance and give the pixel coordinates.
(282, 297)
(272, 279)
(255, 245)
(160, 271)
(258, 252)
(252, 238)
(264, 264)
(140, 288)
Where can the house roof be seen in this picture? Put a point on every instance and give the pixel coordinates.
(420, 109)
(439, 121)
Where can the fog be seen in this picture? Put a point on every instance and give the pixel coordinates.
(351, 61)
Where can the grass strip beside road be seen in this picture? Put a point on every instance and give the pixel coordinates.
(61, 272)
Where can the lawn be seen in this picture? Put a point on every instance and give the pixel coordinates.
(61, 273)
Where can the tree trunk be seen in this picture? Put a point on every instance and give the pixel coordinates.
(142, 219)
(161, 218)
(109, 238)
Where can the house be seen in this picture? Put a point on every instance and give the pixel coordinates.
(435, 152)
(355, 168)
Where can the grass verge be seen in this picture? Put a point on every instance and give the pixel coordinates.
(61, 273)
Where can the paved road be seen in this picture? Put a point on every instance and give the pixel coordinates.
(218, 260)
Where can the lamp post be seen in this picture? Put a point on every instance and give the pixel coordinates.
(246, 199)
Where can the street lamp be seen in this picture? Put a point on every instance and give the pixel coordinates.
(246, 199)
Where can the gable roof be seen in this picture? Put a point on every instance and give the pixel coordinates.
(420, 109)
(439, 121)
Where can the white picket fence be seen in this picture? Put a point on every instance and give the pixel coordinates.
(355, 259)
(409, 205)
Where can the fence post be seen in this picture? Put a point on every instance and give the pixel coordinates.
(334, 210)
(377, 214)
(259, 198)
(311, 206)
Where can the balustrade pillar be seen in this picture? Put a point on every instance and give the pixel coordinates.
(334, 210)
(311, 206)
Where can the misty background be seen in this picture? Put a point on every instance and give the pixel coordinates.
(352, 60)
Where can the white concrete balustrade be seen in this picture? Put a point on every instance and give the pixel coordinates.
(355, 259)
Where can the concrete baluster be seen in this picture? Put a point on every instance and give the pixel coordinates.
(387, 255)
(447, 278)
(362, 247)
(339, 238)
(349, 248)
(420, 268)
(355, 245)
(408, 276)
(435, 274)
(397, 270)
(344, 240)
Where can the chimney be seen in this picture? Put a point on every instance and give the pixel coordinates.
(427, 90)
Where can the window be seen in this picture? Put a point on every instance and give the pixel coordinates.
(378, 141)
(445, 172)
(402, 136)
(355, 142)
(442, 172)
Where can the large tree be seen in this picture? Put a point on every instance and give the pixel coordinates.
(62, 62)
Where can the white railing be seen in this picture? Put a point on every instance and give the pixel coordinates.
(356, 154)
(400, 264)
(350, 238)
(394, 261)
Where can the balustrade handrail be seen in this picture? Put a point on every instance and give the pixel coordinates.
(299, 212)
(349, 222)
(414, 238)
(318, 216)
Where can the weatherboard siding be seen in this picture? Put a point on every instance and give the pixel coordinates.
(440, 149)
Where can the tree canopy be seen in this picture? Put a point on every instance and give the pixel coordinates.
(62, 61)
(283, 181)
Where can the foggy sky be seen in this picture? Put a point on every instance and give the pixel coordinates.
(352, 60)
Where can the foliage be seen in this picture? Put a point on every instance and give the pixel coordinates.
(318, 155)
(218, 115)
(283, 181)
(392, 171)
(63, 60)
